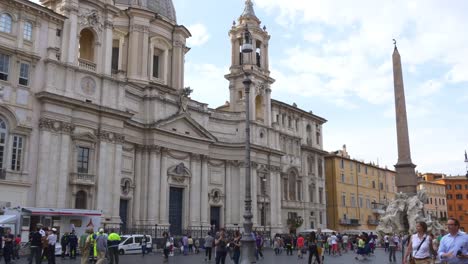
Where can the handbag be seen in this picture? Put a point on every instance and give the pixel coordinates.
(412, 260)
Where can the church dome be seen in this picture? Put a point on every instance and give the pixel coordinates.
(165, 8)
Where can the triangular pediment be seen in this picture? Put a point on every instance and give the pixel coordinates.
(183, 124)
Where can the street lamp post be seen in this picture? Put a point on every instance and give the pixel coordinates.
(247, 241)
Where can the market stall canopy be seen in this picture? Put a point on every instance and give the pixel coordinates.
(7, 219)
(64, 212)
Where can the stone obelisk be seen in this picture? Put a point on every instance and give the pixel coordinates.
(406, 180)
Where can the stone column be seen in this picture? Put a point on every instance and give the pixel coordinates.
(63, 175)
(153, 185)
(144, 186)
(43, 168)
(177, 63)
(204, 192)
(228, 195)
(107, 48)
(102, 181)
(195, 184)
(268, 107)
(163, 198)
(116, 188)
(254, 181)
(137, 190)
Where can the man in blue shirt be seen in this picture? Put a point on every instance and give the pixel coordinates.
(453, 247)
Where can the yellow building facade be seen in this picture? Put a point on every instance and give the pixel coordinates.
(357, 192)
(436, 204)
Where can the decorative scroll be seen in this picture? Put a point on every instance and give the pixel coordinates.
(56, 125)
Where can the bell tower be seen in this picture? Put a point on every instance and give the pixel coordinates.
(254, 63)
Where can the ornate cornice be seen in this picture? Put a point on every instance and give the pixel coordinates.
(56, 125)
(220, 163)
(110, 137)
(139, 28)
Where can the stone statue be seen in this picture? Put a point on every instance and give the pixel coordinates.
(404, 212)
(184, 99)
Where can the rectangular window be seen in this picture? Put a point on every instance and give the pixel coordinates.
(2, 148)
(365, 170)
(320, 218)
(360, 201)
(381, 185)
(449, 187)
(156, 66)
(317, 138)
(24, 74)
(342, 178)
(312, 193)
(449, 196)
(459, 197)
(342, 164)
(321, 196)
(285, 189)
(83, 160)
(27, 31)
(343, 199)
(458, 187)
(353, 201)
(16, 153)
(115, 59)
(4, 66)
(368, 203)
(320, 168)
(359, 168)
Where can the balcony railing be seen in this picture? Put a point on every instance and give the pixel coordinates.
(350, 222)
(373, 222)
(82, 178)
(87, 65)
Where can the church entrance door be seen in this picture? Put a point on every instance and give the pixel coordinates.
(175, 210)
(123, 213)
(215, 217)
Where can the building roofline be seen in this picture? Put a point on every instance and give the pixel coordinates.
(333, 155)
(297, 109)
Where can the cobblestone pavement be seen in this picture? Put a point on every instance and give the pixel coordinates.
(379, 257)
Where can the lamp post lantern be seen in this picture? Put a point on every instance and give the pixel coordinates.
(248, 242)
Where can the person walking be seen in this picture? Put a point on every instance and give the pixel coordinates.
(166, 246)
(8, 246)
(236, 247)
(185, 244)
(209, 241)
(35, 240)
(392, 247)
(16, 247)
(288, 242)
(300, 245)
(64, 244)
(144, 241)
(313, 248)
(221, 247)
(419, 246)
(101, 246)
(113, 241)
(453, 246)
(51, 241)
(73, 242)
(259, 246)
(190, 244)
(86, 244)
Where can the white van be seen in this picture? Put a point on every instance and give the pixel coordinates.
(131, 244)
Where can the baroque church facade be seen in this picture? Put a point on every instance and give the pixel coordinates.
(94, 115)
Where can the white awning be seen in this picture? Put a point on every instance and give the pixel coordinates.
(63, 212)
(7, 219)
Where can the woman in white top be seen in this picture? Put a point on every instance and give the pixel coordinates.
(419, 246)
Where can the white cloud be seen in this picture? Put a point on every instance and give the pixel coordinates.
(199, 33)
(207, 82)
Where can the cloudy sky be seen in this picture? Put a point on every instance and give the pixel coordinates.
(334, 57)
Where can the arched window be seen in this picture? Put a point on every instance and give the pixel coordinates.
(27, 31)
(86, 47)
(80, 200)
(292, 185)
(3, 138)
(259, 108)
(5, 23)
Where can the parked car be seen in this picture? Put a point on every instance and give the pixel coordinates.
(131, 244)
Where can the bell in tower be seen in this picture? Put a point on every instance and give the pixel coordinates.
(249, 55)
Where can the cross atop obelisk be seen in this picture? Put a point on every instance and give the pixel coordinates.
(406, 180)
